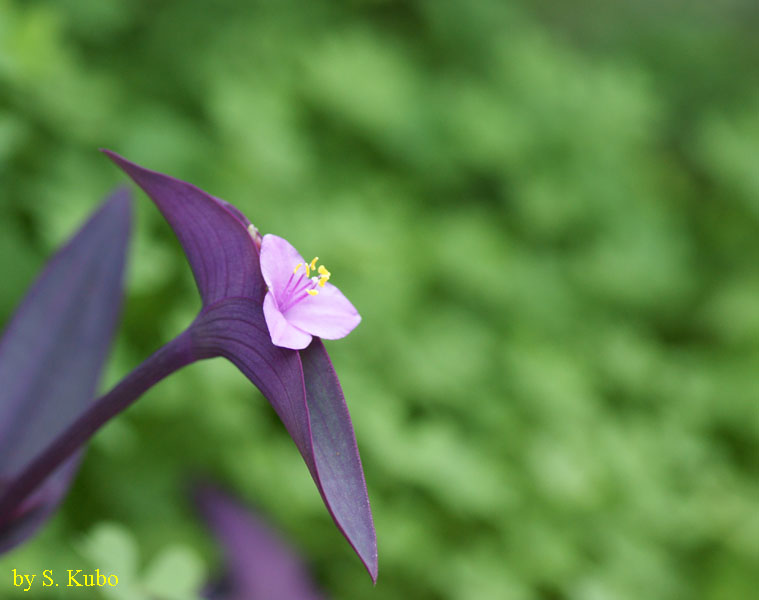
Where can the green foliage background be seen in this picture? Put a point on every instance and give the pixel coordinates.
(548, 215)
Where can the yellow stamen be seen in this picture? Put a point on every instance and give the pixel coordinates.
(325, 275)
(312, 266)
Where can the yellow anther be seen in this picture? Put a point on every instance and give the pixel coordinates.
(325, 275)
(312, 266)
(312, 292)
(298, 266)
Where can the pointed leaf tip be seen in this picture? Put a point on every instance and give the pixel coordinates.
(303, 389)
(214, 235)
(340, 475)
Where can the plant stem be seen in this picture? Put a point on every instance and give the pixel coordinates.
(165, 361)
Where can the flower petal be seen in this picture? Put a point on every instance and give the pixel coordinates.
(52, 354)
(307, 397)
(278, 261)
(259, 563)
(215, 238)
(282, 333)
(328, 315)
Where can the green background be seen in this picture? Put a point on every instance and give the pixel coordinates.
(547, 214)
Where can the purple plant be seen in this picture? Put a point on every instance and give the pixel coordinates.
(259, 564)
(224, 252)
(51, 357)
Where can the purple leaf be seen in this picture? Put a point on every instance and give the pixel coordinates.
(305, 393)
(235, 329)
(340, 476)
(51, 357)
(225, 258)
(259, 564)
(213, 234)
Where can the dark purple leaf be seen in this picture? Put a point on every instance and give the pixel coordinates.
(340, 476)
(315, 414)
(259, 564)
(214, 236)
(52, 354)
(235, 329)
(309, 402)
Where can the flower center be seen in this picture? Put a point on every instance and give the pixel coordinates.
(301, 285)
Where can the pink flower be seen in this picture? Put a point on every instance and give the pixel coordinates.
(297, 305)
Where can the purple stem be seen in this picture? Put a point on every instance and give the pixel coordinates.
(165, 361)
